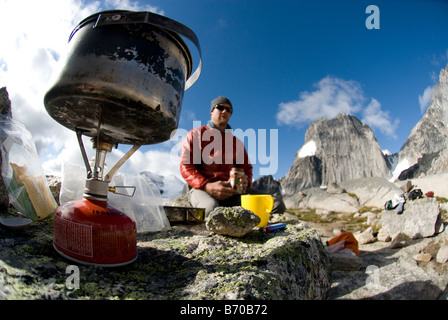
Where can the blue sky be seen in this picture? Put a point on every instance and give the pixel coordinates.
(282, 63)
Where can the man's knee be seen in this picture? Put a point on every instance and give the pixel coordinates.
(201, 199)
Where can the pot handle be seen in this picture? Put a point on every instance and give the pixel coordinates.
(156, 20)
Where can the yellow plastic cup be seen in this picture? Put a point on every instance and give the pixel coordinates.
(260, 204)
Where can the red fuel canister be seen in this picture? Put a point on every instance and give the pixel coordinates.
(90, 231)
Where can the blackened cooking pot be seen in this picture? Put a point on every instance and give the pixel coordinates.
(124, 77)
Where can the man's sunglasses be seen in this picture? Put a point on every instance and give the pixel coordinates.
(221, 108)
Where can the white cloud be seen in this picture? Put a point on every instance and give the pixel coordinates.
(379, 119)
(425, 99)
(34, 37)
(157, 161)
(131, 5)
(331, 97)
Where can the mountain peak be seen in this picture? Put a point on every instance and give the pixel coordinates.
(335, 150)
(430, 134)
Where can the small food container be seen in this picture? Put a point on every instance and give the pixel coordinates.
(184, 214)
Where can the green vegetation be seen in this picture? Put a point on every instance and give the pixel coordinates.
(349, 221)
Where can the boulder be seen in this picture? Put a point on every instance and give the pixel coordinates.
(345, 260)
(397, 241)
(291, 264)
(438, 248)
(371, 192)
(442, 254)
(231, 221)
(423, 257)
(390, 274)
(184, 263)
(346, 197)
(335, 188)
(433, 182)
(382, 236)
(316, 198)
(366, 236)
(420, 218)
(405, 186)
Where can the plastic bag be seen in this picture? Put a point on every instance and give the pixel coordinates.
(73, 182)
(22, 172)
(145, 207)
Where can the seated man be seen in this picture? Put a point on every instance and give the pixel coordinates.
(208, 154)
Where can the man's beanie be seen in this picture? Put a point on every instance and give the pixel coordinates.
(220, 100)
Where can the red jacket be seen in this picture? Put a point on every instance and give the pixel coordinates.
(203, 160)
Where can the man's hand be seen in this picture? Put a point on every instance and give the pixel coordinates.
(219, 190)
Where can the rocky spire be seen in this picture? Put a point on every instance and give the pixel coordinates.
(335, 150)
(430, 134)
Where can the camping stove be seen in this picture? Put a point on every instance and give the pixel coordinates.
(122, 82)
(90, 231)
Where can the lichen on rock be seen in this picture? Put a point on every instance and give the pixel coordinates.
(290, 264)
(183, 263)
(232, 221)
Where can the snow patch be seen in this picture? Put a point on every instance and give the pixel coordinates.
(308, 149)
(403, 165)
